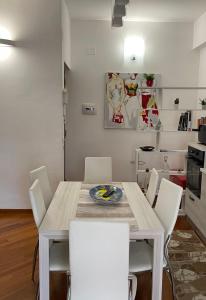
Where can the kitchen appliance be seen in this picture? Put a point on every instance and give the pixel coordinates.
(202, 134)
(195, 161)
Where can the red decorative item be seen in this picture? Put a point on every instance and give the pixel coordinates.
(145, 100)
(150, 82)
(118, 118)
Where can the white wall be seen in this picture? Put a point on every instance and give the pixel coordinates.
(168, 52)
(30, 100)
(202, 70)
(66, 34)
(199, 31)
(199, 41)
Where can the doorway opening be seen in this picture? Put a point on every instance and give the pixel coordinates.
(65, 115)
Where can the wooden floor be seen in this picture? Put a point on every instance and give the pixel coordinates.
(17, 241)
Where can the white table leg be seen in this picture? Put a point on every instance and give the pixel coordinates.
(44, 267)
(157, 267)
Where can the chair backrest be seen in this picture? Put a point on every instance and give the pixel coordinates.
(98, 170)
(99, 260)
(152, 188)
(37, 202)
(168, 203)
(42, 175)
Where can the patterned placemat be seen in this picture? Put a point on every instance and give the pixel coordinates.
(187, 256)
(87, 208)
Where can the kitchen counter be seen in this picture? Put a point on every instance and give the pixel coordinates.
(198, 146)
(203, 170)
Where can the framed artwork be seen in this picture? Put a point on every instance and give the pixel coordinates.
(131, 100)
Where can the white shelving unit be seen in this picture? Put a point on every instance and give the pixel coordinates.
(161, 153)
(173, 88)
(164, 112)
(161, 171)
(169, 116)
(155, 159)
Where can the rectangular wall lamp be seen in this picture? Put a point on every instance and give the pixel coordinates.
(6, 42)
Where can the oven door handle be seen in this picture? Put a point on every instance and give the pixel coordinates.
(190, 157)
(196, 161)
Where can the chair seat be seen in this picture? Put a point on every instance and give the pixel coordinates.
(59, 257)
(141, 257)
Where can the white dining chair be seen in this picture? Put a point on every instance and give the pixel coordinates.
(98, 170)
(167, 207)
(42, 175)
(152, 187)
(99, 260)
(59, 252)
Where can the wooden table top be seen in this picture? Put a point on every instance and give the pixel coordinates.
(72, 201)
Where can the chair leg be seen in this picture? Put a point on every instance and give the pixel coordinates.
(168, 267)
(132, 286)
(171, 282)
(37, 292)
(36, 249)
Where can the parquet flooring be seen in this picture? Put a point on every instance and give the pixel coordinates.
(17, 240)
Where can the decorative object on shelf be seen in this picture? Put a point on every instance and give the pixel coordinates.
(185, 122)
(201, 121)
(176, 103)
(203, 103)
(149, 115)
(127, 93)
(147, 148)
(149, 79)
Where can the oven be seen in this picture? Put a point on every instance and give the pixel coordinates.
(195, 161)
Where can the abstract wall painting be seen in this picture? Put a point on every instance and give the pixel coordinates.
(131, 101)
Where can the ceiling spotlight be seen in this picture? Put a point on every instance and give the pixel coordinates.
(121, 2)
(117, 22)
(119, 11)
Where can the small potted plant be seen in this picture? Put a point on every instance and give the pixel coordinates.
(203, 103)
(176, 103)
(149, 79)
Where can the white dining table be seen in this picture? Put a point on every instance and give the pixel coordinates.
(72, 201)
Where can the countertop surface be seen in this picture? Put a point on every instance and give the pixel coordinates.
(198, 146)
(203, 170)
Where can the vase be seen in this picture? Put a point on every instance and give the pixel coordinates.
(204, 106)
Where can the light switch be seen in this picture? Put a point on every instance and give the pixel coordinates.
(91, 51)
(88, 109)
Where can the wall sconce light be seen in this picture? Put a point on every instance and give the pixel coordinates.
(5, 44)
(134, 48)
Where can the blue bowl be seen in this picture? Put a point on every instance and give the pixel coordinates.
(97, 193)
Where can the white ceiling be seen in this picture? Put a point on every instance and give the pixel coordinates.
(139, 10)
